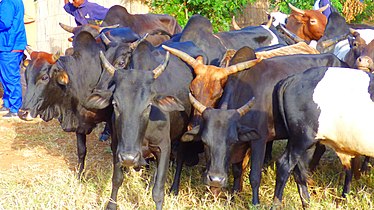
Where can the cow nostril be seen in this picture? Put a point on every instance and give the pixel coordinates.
(129, 159)
(216, 179)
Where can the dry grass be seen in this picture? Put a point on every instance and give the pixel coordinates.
(38, 162)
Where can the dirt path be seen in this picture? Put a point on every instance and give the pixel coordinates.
(18, 152)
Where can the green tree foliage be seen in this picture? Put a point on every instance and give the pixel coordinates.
(219, 12)
(368, 14)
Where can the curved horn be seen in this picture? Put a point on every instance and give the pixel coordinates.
(105, 39)
(235, 24)
(246, 107)
(56, 56)
(182, 55)
(135, 44)
(293, 36)
(242, 66)
(29, 50)
(324, 8)
(330, 42)
(296, 9)
(107, 27)
(353, 32)
(196, 104)
(67, 28)
(109, 67)
(270, 21)
(161, 68)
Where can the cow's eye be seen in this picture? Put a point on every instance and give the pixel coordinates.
(313, 21)
(45, 77)
(121, 63)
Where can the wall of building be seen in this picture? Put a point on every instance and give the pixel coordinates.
(50, 37)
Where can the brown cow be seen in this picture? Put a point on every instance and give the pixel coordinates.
(307, 24)
(365, 61)
(210, 80)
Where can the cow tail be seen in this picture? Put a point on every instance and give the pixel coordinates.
(281, 88)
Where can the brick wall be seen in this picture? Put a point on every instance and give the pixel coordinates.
(50, 37)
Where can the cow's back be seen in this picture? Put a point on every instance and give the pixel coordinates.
(260, 81)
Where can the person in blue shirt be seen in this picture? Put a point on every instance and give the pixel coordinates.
(321, 3)
(85, 12)
(12, 44)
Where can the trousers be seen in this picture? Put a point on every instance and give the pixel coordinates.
(10, 78)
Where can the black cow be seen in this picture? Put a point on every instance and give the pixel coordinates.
(147, 109)
(329, 105)
(59, 88)
(199, 30)
(143, 23)
(258, 125)
(345, 42)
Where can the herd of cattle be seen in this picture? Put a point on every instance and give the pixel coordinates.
(174, 92)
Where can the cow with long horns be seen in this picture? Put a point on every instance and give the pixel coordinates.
(150, 106)
(258, 81)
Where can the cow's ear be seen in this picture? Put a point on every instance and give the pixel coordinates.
(247, 134)
(191, 135)
(62, 77)
(98, 100)
(169, 103)
(242, 55)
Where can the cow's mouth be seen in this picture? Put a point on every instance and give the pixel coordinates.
(365, 68)
(25, 115)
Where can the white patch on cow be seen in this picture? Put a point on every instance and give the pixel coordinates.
(342, 48)
(366, 34)
(346, 121)
(313, 44)
(279, 18)
(274, 40)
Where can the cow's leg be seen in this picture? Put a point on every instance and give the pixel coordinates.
(300, 176)
(177, 176)
(82, 150)
(319, 151)
(257, 159)
(364, 167)
(268, 155)
(348, 177)
(117, 178)
(296, 148)
(237, 171)
(162, 156)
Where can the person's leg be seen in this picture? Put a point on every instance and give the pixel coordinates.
(10, 74)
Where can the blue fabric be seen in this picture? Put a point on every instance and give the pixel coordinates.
(10, 78)
(323, 3)
(12, 28)
(86, 12)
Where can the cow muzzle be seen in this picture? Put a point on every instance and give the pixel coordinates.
(216, 180)
(364, 63)
(25, 115)
(129, 159)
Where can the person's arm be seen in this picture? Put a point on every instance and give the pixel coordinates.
(7, 12)
(69, 7)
